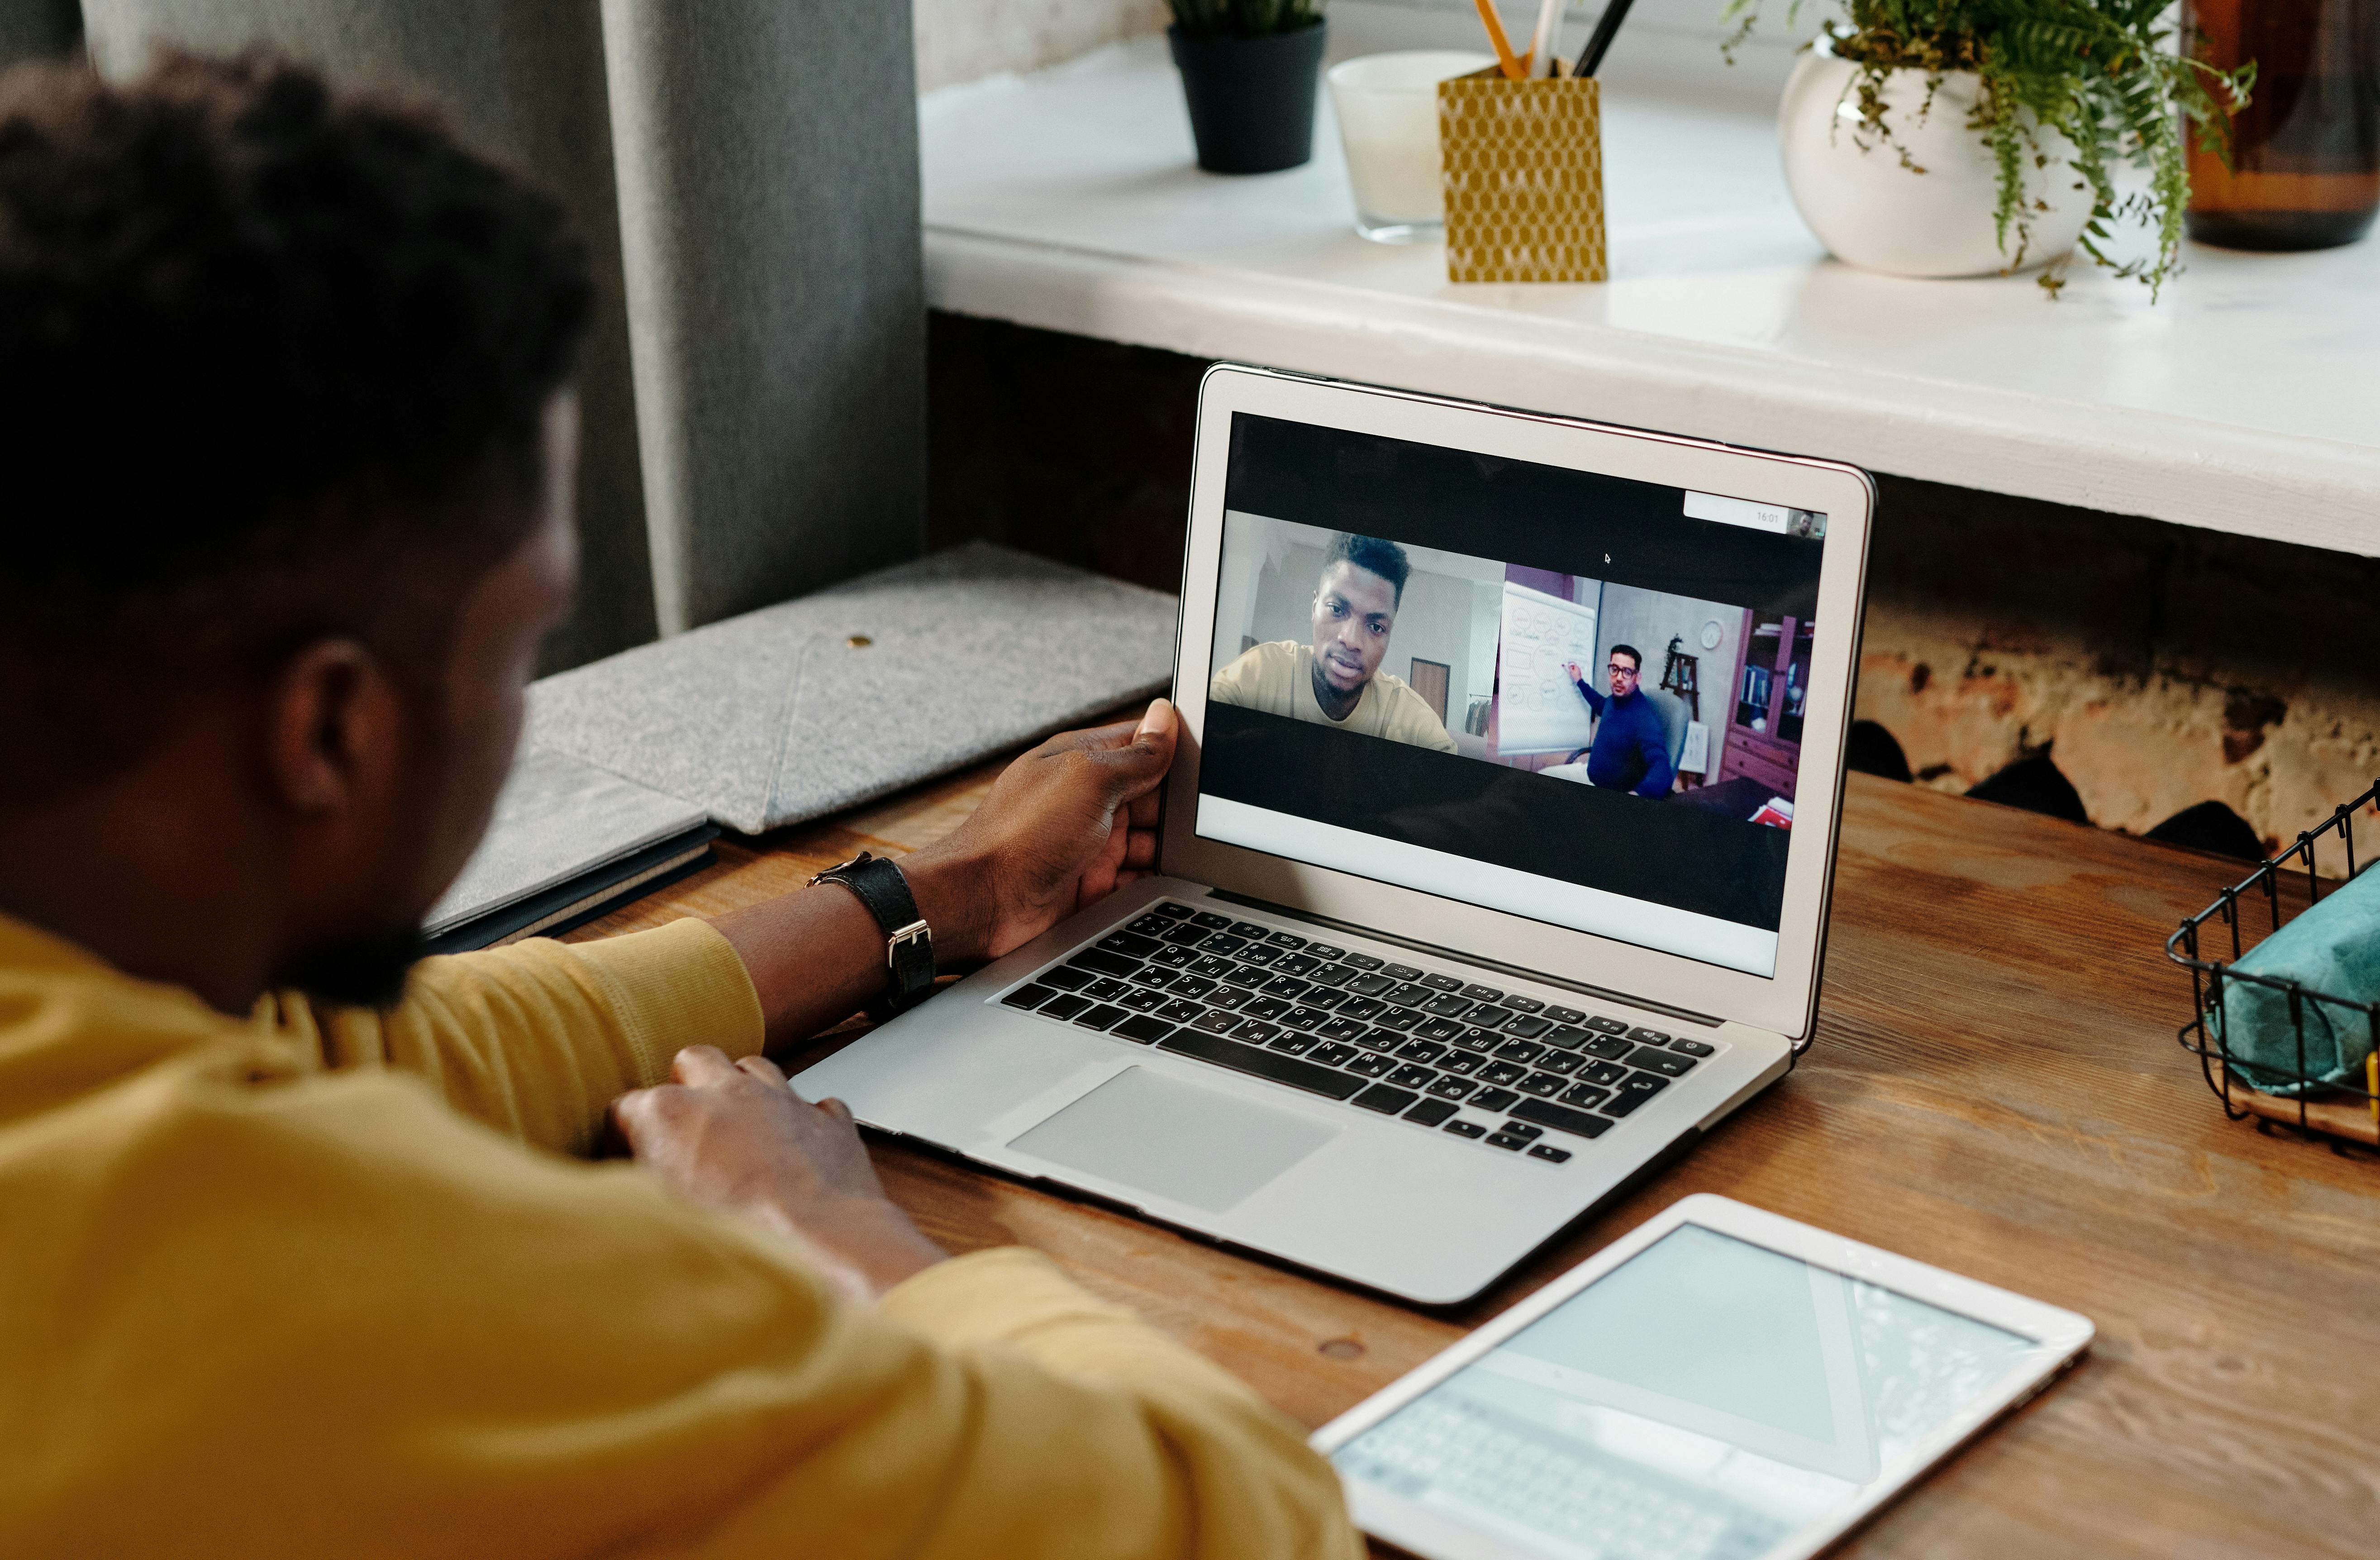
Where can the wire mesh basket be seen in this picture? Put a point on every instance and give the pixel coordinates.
(2300, 1097)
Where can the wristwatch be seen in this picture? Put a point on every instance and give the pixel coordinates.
(909, 941)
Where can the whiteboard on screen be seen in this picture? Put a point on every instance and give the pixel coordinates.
(1539, 711)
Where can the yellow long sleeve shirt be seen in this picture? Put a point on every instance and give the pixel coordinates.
(326, 1284)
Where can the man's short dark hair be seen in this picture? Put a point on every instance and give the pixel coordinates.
(1383, 558)
(276, 360)
(1635, 656)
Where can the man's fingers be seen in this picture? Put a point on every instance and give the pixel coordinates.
(1139, 765)
(699, 1065)
(763, 1069)
(1146, 809)
(1139, 850)
(1091, 738)
(838, 1110)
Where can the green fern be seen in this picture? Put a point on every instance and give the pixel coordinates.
(2104, 74)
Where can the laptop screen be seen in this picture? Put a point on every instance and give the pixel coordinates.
(1560, 695)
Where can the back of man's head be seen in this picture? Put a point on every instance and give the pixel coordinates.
(276, 359)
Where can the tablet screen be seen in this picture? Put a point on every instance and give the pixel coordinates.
(1706, 1399)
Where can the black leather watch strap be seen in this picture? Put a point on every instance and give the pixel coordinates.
(909, 941)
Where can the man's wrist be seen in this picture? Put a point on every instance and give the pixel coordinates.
(953, 897)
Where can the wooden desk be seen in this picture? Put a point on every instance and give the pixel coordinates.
(1995, 1088)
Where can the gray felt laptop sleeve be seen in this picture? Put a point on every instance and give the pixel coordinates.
(800, 710)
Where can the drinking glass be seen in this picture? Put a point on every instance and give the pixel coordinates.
(1388, 122)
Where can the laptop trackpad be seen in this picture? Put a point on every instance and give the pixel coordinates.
(1193, 1145)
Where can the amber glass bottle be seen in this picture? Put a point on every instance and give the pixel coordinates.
(2306, 169)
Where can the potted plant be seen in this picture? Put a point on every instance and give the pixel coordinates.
(1955, 138)
(1248, 70)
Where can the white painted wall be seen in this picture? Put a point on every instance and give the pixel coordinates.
(967, 40)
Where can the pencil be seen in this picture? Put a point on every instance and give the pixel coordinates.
(1543, 38)
(1606, 27)
(1512, 68)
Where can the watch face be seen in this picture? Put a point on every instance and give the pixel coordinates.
(1711, 635)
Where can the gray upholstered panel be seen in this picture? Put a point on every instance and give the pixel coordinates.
(768, 177)
(37, 29)
(526, 78)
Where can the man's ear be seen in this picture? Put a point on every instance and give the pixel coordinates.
(334, 728)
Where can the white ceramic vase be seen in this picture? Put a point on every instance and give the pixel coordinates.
(1876, 214)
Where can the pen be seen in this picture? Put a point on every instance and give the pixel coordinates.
(1607, 25)
(1543, 38)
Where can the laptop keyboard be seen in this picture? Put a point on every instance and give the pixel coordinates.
(1496, 1068)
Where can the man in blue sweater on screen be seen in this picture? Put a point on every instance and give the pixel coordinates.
(1630, 751)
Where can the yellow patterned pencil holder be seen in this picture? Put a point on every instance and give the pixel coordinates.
(1522, 163)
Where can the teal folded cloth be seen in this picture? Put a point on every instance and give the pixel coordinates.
(2330, 950)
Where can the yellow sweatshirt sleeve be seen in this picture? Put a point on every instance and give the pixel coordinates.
(348, 1322)
(537, 1038)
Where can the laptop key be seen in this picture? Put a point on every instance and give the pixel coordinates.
(1324, 950)
(1429, 1113)
(1068, 979)
(1565, 1015)
(1520, 1050)
(1441, 982)
(1106, 987)
(1129, 943)
(1295, 1071)
(1526, 1025)
(1692, 1047)
(1105, 963)
(1462, 1062)
(1465, 1128)
(1372, 1067)
(1212, 967)
(1247, 975)
(1586, 1096)
(1506, 1140)
(1413, 1076)
(1322, 997)
(1216, 1023)
(1361, 961)
(1211, 921)
(1142, 1000)
(1478, 992)
(1286, 985)
(1303, 1017)
(1171, 910)
(1227, 997)
(1333, 975)
(1542, 1084)
(1397, 1019)
(1192, 986)
(1255, 1031)
(1064, 1006)
(1605, 1073)
(1401, 973)
(1493, 1099)
(1175, 959)
(1180, 1012)
(1668, 1064)
(1292, 1043)
(1564, 1062)
(1421, 1051)
(1548, 1153)
(1341, 1029)
(1181, 937)
(1522, 1129)
(1525, 1004)
(1438, 1029)
(1502, 1073)
(1385, 1099)
(1608, 1049)
(1297, 964)
(1363, 1007)
(1265, 1008)
(1480, 1041)
(1452, 1088)
(1029, 998)
(1561, 1118)
(1332, 1054)
(1285, 940)
(1648, 1037)
(1256, 953)
(1606, 1026)
(1143, 1029)
(1370, 985)
(1409, 994)
(1104, 1016)
(1250, 929)
(1634, 1090)
(1570, 1037)
(1447, 1006)
(1222, 943)
(1379, 1040)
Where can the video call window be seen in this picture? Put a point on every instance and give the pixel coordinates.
(1597, 724)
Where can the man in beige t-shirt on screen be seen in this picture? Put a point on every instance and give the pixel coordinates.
(1337, 680)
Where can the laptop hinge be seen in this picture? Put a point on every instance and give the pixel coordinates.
(1475, 960)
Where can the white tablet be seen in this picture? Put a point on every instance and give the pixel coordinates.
(1720, 1383)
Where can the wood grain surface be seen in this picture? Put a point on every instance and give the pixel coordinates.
(1995, 1088)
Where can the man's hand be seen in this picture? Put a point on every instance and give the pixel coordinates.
(732, 1135)
(1064, 825)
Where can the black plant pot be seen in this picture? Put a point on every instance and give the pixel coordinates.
(1250, 99)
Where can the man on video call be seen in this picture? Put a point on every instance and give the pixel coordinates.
(307, 1248)
(1337, 680)
(1631, 750)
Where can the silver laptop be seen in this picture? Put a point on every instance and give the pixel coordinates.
(1495, 862)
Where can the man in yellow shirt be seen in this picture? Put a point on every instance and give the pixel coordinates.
(1337, 680)
(303, 1255)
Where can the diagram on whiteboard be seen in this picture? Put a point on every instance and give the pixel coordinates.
(1541, 713)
